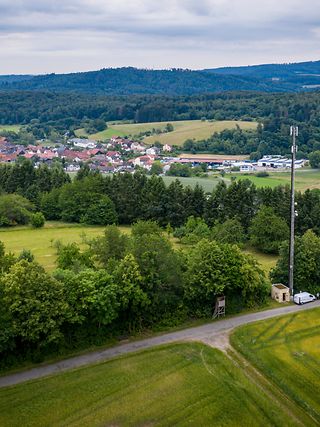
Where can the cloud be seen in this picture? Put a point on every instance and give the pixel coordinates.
(187, 33)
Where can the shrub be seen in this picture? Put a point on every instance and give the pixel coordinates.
(14, 209)
(37, 220)
(262, 174)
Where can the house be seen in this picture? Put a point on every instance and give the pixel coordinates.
(83, 143)
(280, 293)
(137, 147)
(143, 161)
(8, 158)
(167, 148)
(153, 151)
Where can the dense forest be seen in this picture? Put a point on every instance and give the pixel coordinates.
(129, 80)
(300, 74)
(47, 113)
(124, 81)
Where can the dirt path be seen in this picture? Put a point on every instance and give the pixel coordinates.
(214, 334)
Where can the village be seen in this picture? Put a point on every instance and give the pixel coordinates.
(125, 155)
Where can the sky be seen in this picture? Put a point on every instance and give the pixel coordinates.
(45, 36)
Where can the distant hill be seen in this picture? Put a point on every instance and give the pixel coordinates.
(14, 78)
(126, 81)
(301, 75)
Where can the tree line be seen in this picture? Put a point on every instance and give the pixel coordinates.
(125, 198)
(118, 285)
(51, 115)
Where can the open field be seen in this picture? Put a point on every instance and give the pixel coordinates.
(304, 179)
(196, 129)
(214, 156)
(287, 351)
(12, 128)
(183, 130)
(180, 384)
(267, 261)
(40, 241)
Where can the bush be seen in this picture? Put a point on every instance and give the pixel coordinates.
(262, 174)
(14, 210)
(37, 220)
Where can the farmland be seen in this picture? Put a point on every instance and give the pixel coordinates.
(180, 384)
(305, 179)
(183, 130)
(287, 351)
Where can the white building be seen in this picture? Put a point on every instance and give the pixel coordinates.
(279, 162)
(83, 143)
(167, 148)
(152, 151)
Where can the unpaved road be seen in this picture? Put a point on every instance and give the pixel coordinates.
(214, 334)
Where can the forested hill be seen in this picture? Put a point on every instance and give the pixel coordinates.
(14, 78)
(126, 81)
(302, 75)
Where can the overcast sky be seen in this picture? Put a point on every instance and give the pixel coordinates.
(41, 36)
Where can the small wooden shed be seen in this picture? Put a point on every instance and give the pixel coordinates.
(280, 292)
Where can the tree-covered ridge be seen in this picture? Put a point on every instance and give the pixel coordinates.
(128, 80)
(271, 70)
(45, 112)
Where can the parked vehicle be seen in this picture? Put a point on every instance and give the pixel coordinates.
(303, 298)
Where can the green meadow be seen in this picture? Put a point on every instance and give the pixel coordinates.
(41, 241)
(287, 351)
(186, 384)
(304, 179)
(11, 128)
(183, 130)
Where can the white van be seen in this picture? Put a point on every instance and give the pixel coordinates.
(303, 297)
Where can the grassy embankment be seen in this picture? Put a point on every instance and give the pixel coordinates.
(183, 130)
(287, 351)
(181, 384)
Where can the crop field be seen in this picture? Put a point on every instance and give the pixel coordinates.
(287, 351)
(196, 129)
(124, 129)
(304, 179)
(183, 130)
(180, 385)
(40, 241)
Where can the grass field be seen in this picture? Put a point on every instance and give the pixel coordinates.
(176, 385)
(287, 351)
(266, 261)
(40, 241)
(183, 130)
(304, 179)
(12, 128)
